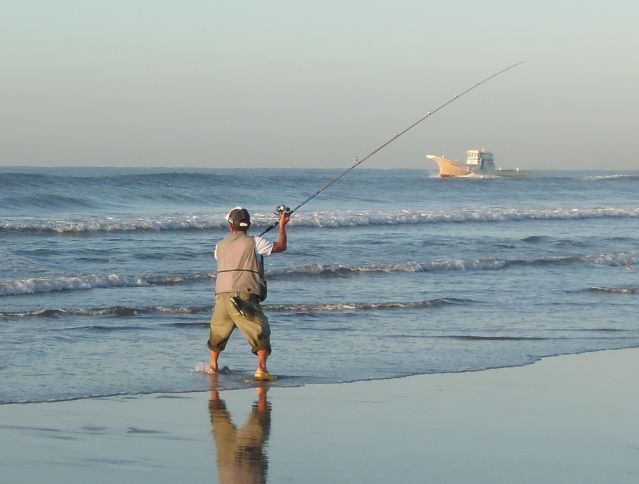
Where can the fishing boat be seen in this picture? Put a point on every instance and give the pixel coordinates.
(479, 163)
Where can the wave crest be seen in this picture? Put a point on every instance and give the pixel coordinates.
(614, 177)
(319, 219)
(124, 311)
(17, 287)
(39, 285)
(616, 290)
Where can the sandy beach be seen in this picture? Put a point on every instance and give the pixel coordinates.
(569, 419)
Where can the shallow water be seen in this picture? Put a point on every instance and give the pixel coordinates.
(107, 275)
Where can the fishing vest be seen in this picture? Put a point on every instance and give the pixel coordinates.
(238, 267)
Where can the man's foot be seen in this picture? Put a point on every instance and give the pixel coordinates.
(264, 376)
(214, 370)
(213, 367)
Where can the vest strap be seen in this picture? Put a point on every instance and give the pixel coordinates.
(241, 270)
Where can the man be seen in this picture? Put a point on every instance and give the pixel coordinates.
(240, 287)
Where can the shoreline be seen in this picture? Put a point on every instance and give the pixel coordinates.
(568, 418)
(246, 385)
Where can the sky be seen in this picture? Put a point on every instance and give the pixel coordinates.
(293, 83)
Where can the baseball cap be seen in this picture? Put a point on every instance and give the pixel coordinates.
(239, 217)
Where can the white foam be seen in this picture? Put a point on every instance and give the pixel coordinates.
(607, 177)
(356, 306)
(17, 287)
(337, 218)
(408, 266)
(202, 367)
(39, 285)
(132, 312)
(617, 290)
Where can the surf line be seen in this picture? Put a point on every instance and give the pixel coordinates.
(283, 208)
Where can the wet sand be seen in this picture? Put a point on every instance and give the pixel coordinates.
(569, 419)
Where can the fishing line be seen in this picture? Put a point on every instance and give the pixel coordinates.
(282, 208)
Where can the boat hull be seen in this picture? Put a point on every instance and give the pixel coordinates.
(451, 168)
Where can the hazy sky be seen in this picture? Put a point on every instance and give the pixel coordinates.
(294, 83)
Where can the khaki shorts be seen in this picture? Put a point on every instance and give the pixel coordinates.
(249, 318)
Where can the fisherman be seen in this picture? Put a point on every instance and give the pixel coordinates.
(240, 287)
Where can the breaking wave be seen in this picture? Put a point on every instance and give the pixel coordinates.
(124, 311)
(345, 307)
(320, 219)
(612, 259)
(121, 311)
(40, 285)
(610, 177)
(616, 290)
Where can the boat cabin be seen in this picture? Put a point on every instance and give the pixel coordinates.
(481, 160)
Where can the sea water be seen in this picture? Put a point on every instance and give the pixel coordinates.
(107, 275)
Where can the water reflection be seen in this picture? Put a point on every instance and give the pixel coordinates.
(241, 457)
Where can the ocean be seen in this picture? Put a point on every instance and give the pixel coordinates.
(107, 275)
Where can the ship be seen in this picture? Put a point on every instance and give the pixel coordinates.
(479, 163)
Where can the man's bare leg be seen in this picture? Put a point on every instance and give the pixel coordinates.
(262, 356)
(214, 356)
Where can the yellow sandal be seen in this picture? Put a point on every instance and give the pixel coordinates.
(264, 376)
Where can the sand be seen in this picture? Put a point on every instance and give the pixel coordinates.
(569, 419)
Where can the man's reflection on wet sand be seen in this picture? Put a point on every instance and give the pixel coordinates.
(241, 458)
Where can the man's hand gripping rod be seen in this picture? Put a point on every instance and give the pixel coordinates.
(283, 208)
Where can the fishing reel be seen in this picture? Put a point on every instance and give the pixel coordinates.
(281, 209)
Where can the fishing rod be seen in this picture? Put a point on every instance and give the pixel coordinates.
(284, 209)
